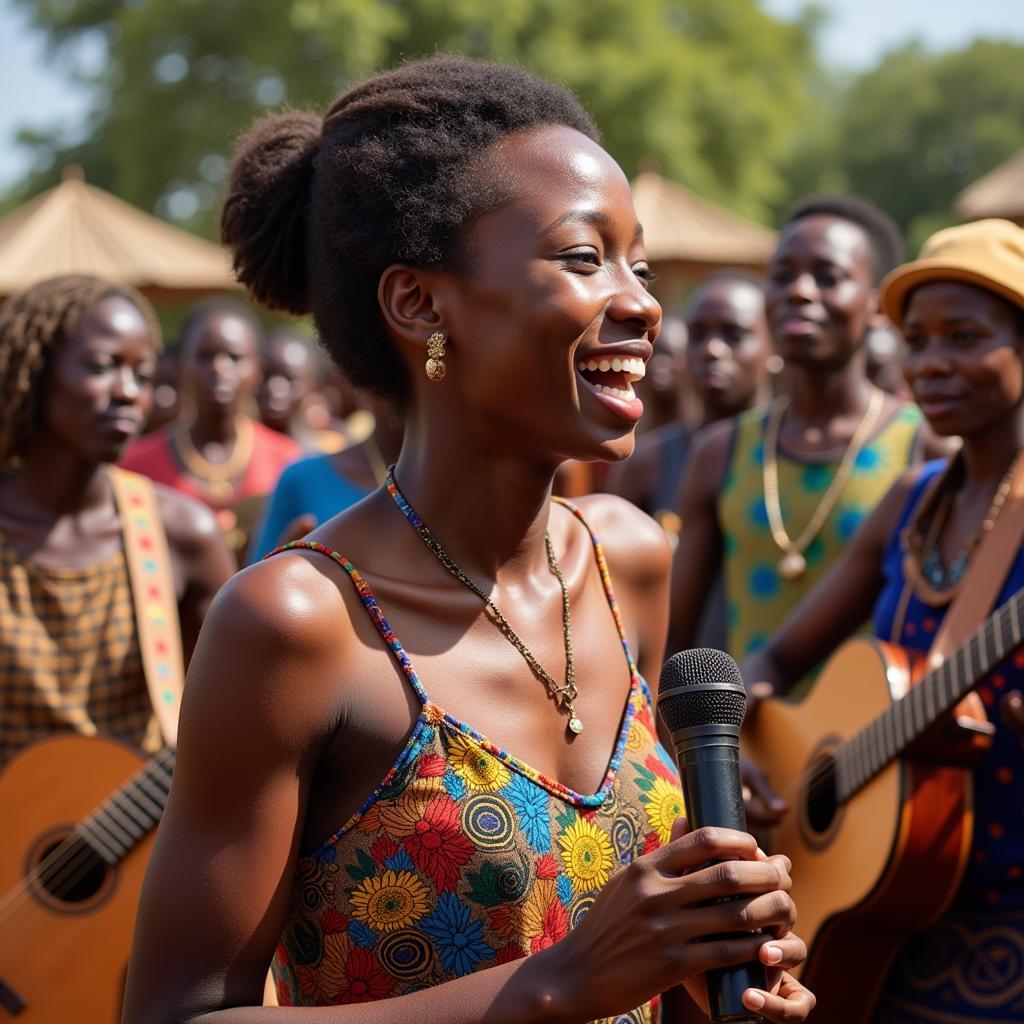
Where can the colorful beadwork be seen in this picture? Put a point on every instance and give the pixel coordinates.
(465, 857)
(158, 627)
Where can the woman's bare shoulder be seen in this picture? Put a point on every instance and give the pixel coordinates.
(292, 599)
(279, 635)
(634, 545)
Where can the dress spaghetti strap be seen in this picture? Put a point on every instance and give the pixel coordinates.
(369, 603)
(373, 609)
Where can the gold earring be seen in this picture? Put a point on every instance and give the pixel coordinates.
(435, 356)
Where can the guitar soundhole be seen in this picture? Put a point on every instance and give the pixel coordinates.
(821, 796)
(820, 811)
(69, 872)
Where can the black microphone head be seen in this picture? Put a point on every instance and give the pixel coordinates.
(701, 686)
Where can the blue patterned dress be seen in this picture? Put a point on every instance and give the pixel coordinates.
(970, 966)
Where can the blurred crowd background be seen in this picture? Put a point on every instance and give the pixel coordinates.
(721, 113)
(117, 119)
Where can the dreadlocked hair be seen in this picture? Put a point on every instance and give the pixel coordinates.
(317, 208)
(32, 324)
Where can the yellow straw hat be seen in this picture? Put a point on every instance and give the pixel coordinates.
(986, 253)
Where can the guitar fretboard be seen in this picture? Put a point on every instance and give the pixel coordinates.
(862, 757)
(129, 815)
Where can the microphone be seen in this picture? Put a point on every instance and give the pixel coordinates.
(702, 701)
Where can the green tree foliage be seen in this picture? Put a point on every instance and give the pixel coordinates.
(711, 93)
(917, 129)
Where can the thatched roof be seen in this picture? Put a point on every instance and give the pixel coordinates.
(77, 228)
(1000, 193)
(679, 226)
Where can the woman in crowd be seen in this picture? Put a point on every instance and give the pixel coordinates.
(215, 451)
(726, 358)
(772, 497)
(288, 396)
(961, 310)
(317, 487)
(77, 358)
(466, 249)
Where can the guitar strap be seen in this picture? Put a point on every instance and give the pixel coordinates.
(985, 574)
(153, 595)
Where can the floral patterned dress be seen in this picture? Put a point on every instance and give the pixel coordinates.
(464, 857)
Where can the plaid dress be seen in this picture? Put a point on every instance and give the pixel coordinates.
(69, 654)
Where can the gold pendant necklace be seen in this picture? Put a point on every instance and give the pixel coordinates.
(793, 564)
(217, 479)
(564, 695)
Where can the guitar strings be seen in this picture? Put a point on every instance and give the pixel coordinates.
(74, 853)
(813, 777)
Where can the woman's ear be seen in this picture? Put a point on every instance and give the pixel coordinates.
(409, 304)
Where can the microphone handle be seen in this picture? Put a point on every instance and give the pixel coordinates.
(710, 769)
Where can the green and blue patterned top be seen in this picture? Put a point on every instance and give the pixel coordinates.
(758, 598)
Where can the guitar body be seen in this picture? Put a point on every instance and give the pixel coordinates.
(64, 958)
(869, 872)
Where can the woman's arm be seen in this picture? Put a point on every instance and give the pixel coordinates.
(699, 553)
(202, 558)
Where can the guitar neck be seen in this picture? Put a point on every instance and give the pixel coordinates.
(860, 758)
(128, 815)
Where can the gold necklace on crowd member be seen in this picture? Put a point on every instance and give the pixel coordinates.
(933, 583)
(793, 564)
(564, 695)
(216, 479)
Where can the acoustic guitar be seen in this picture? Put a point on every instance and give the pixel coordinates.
(78, 816)
(878, 831)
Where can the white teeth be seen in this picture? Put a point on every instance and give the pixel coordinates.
(626, 394)
(633, 367)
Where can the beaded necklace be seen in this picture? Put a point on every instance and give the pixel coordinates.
(933, 582)
(564, 694)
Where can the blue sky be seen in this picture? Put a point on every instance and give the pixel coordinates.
(36, 89)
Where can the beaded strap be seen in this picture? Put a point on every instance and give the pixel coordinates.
(369, 603)
(391, 639)
(606, 579)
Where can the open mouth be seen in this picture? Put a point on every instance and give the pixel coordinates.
(613, 376)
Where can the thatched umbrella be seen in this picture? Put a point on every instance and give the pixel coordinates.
(687, 237)
(77, 228)
(1000, 193)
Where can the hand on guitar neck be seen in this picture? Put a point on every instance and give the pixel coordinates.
(956, 739)
(764, 807)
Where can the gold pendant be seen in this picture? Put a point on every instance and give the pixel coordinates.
(575, 725)
(792, 566)
(217, 490)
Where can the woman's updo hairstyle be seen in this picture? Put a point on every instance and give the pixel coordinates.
(317, 210)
